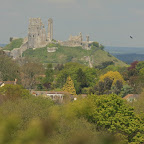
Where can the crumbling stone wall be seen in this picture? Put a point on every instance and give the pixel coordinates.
(75, 41)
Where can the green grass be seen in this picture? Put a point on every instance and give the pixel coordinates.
(14, 44)
(74, 54)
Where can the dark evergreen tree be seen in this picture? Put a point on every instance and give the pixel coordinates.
(81, 79)
(49, 76)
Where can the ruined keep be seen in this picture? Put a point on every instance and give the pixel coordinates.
(36, 33)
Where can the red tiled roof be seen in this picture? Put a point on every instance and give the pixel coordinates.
(130, 95)
(8, 82)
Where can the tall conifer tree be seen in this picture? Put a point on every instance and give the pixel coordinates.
(69, 86)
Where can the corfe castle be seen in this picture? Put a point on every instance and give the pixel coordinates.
(38, 37)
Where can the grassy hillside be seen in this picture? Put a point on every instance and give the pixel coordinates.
(14, 44)
(74, 54)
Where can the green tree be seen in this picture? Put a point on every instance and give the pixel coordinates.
(81, 79)
(95, 44)
(13, 92)
(9, 69)
(140, 65)
(49, 74)
(69, 86)
(101, 47)
(107, 83)
(29, 73)
(110, 112)
(126, 89)
(117, 87)
(47, 83)
(101, 87)
(72, 70)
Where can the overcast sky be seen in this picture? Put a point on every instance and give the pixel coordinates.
(110, 22)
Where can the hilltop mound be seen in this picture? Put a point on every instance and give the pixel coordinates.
(64, 54)
(14, 44)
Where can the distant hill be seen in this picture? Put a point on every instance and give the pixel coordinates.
(129, 58)
(125, 50)
(95, 56)
(127, 54)
(3, 45)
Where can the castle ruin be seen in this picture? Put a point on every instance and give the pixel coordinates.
(77, 41)
(50, 30)
(38, 37)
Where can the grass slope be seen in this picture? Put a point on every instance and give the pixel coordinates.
(74, 54)
(14, 44)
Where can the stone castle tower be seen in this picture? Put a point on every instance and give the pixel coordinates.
(37, 36)
(50, 30)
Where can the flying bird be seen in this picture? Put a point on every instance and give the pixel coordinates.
(131, 37)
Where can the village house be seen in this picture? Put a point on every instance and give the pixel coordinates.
(3, 83)
(131, 97)
(55, 96)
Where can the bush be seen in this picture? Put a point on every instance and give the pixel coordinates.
(13, 92)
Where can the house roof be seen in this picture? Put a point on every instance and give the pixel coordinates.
(49, 92)
(1, 83)
(8, 82)
(131, 96)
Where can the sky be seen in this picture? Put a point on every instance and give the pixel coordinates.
(109, 22)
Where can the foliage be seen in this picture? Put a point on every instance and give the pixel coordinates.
(81, 79)
(141, 72)
(72, 69)
(105, 64)
(47, 82)
(101, 47)
(69, 86)
(95, 44)
(96, 119)
(126, 89)
(9, 70)
(14, 44)
(59, 67)
(133, 65)
(29, 72)
(117, 87)
(113, 76)
(107, 83)
(110, 112)
(139, 105)
(140, 65)
(13, 92)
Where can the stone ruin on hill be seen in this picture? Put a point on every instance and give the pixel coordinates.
(38, 37)
(76, 41)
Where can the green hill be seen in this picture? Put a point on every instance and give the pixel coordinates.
(75, 54)
(14, 44)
